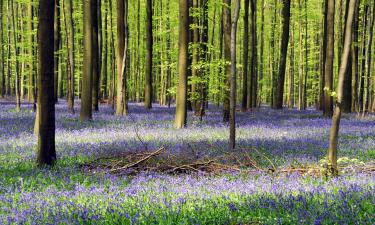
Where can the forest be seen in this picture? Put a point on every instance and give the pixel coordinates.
(187, 112)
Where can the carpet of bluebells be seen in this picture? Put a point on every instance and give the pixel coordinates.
(67, 194)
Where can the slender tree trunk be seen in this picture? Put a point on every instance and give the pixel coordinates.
(71, 75)
(227, 56)
(31, 79)
(323, 58)
(8, 87)
(283, 54)
(261, 54)
(149, 46)
(46, 101)
(57, 38)
(195, 55)
(2, 77)
(347, 98)
(169, 71)
(88, 52)
(328, 70)
(306, 59)
(95, 56)
(16, 53)
(254, 56)
(181, 109)
(121, 108)
(233, 71)
(104, 69)
(245, 55)
(355, 58)
(363, 61)
(291, 74)
(367, 76)
(333, 139)
(205, 58)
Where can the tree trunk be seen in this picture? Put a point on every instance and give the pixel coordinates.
(355, 58)
(17, 73)
(88, 52)
(2, 75)
(121, 101)
(254, 56)
(149, 46)
(333, 139)
(57, 37)
(95, 56)
(323, 59)
(347, 98)
(261, 54)
(227, 56)
(233, 80)
(205, 58)
(291, 75)
(181, 109)
(46, 101)
(104, 69)
(283, 54)
(71, 74)
(328, 70)
(31, 80)
(367, 76)
(245, 55)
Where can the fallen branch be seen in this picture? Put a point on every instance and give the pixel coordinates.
(130, 165)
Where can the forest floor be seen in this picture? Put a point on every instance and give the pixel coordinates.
(75, 191)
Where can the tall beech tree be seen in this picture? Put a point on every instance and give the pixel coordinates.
(2, 74)
(333, 139)
(16, 54)
(245, 55)
(278, 102)
(183, 45)
(86, 99)
(121, 99)
(329, 55)
(57, 39)
(253, 87)
(95, 55)
(149, 46)
(367, 77)
(233, 80)
(227, 56)
(46, 101)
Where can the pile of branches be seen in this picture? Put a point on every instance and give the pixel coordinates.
(158, 161)
(165, 162)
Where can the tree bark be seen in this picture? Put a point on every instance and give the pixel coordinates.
(233, 80)
(121, 101)
(245, 55)
(57, 38)
(347, 98)
(71, 74)
(283, 54)
(2, 74)
(86, 98)
(333, 139)
(95, 56)
(149, 46)
(367, 77)
(181, 109)
(254, 56)
(328, 70)
(16, 53)
(227, 56)
(46, 101)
